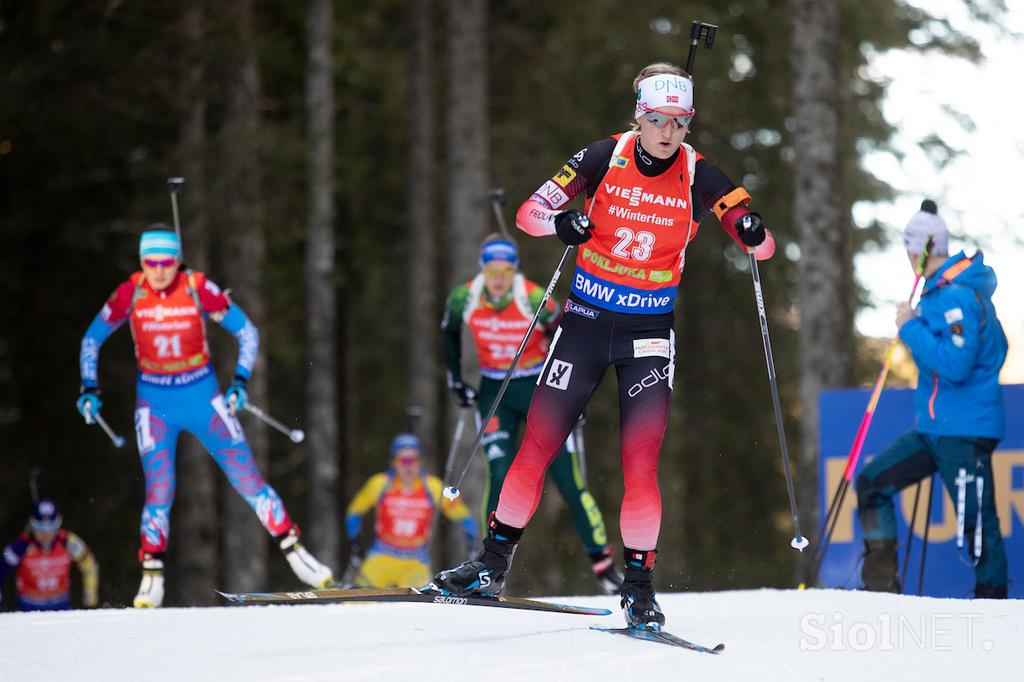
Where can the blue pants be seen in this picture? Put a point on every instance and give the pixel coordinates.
(161, 413)
(58, 604)
(914, 456)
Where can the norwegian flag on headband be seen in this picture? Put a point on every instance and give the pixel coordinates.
(673, 99)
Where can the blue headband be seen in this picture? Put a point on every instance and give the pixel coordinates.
(499, 249)
(405, 441)
(159, 243)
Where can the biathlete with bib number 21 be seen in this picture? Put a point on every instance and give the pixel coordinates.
(646, 193)
(167, 307)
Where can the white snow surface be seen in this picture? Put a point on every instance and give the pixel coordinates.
(769, 635)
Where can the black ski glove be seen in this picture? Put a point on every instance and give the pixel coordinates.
(750, 229)
(464, 394)
(572, 227)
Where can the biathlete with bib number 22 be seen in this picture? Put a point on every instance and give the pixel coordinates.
(497, 306)
(646, 193)
(167, 307)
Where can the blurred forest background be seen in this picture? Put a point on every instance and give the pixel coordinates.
(338, 157)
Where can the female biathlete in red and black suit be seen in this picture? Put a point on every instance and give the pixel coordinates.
(646, 193)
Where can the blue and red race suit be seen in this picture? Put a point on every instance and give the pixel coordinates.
(177, 390)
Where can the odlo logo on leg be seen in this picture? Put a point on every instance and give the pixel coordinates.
(650, 379)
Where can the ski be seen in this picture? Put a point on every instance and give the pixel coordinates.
(660, 636)
(426, 595)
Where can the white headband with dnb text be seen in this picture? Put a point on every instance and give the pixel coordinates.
(663, 90)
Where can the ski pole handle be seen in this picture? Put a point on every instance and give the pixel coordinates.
(296, 435)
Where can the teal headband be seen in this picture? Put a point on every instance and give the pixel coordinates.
(159, 243)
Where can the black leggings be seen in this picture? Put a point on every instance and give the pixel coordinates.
(589, 340)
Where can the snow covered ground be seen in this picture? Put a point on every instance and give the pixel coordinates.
(769, 635)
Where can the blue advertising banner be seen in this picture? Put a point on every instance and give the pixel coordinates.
(945, 574)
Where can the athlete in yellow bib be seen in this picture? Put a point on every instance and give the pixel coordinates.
(404, 500)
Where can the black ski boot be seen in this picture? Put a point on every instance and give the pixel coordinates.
(605, 572)
(990, 591)
(638, 603)
(881, 569)
(484, 575)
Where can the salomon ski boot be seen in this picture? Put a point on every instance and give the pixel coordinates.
(639, 606)
(151, 590)
(484, 575)
(303, 564)
(605, 572)
(880, 572)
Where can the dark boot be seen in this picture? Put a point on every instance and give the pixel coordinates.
(485, 575)
(990, 591)
(607, 574)
(639, 606)
(881, 569)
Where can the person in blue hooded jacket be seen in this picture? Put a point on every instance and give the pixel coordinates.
(959, 346)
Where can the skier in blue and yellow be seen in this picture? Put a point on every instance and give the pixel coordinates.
(405, 502)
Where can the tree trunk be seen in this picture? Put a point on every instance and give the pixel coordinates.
(467, 175)
(821, 227)
(423, 335)
(245, 541)
(467, 136)
(194, 559)
(325, 532)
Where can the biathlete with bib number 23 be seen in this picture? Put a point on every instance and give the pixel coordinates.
(167, 307)
(646, 193)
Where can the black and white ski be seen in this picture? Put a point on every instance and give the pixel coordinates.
(407, 594)
(661, 636)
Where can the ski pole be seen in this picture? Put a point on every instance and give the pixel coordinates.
(924, 540)
(413, 415)
(117, 440)
(581, 451)
(497, 195)
(296, 435)
(176, 184)
(452, 491)
(460, 425)
(910, 538)
(90, 418)
(832, 518)
(799, 542)
(352, 572)
(33, 484)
